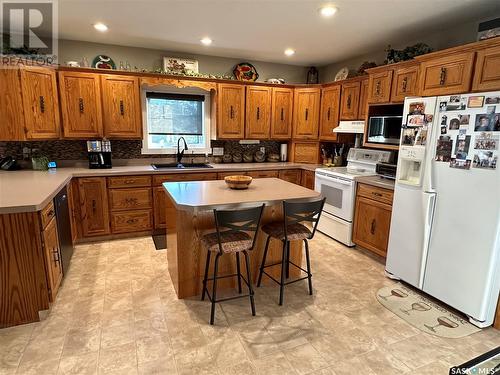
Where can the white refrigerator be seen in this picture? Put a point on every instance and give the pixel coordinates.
(445, 226)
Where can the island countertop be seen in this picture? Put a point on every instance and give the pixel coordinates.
(207, 195)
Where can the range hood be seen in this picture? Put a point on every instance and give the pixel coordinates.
(357, 127)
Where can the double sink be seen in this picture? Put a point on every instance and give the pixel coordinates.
(157, 166)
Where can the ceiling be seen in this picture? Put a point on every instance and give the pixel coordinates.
(263, 29)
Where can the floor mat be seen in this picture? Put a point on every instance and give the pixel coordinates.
(424, 314)
(160, 241)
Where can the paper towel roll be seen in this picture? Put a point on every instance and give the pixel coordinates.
(283, 151)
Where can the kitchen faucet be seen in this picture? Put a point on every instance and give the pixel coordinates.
(180, 154)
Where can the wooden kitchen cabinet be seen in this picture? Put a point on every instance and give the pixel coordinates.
(487, 70)
(329, 115)
(258, 112)
(307, 179)
(372, 218)
(379, 87)
(121, 106)
(11, 106)
(93, 206)
(306, 113)
(160, 207)
(291, 175)
(363, 99)
(281, 113)
(349, 102)
(304, 152)
(404, 83)
(81, 109)
(262, 174)
(40, 103)
(445, 73)
(127, 199)
(52, 254)
(230, 111)
(131, 221)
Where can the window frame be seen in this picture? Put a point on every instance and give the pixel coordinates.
(145, 150)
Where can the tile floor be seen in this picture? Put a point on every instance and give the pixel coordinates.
(117, 313)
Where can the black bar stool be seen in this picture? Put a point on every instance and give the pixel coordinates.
(290, 229)
(236, 232)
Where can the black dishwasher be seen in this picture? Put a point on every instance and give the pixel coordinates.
(64, 228)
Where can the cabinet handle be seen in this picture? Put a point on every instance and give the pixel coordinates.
(307, 113)
(258, 113)
(122, 108)
(128, 182)
(80, 105)
(231, 113)
(373, 227)
(131, 221)
(55, 254)
(131, 200)
(376, 194)
(328, 114)
(50, 213)
(282, 114)
(349, 101)
(377, 88)
(404, 84)
(94, 206)
(442, 76)
(42, 104)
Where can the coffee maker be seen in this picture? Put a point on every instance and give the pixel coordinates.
(99, 153)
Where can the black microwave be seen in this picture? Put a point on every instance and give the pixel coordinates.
(384, 129)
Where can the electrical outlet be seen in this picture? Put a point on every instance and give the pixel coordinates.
(218, 151)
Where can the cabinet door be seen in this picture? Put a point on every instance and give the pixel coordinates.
(160, 207)
(363, 100)
(349, 101)
(11, 106)
(231, 111)
(94, 206)
(258, 112)
(281, 113)
(74, 210)
(291, 175)
(329, 115)
(379, 87)
(450, 74)
(52, 258)
(40, 103)
(371, 225)
(305, 152)
(306, 113)
(80, 104)
(121, 107)
(128, 199)
(487, 70)
(308, 179)
(405, 83)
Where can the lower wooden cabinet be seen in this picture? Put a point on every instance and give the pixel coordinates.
(52, 258)
(131, 221)
(307, 179)
(291, 175)
(262, 174)
(372, 218)
(160, 207)
(94, 209)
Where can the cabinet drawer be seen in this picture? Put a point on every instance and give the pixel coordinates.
(375, 193)
(129, 181)
(262, 174)
(131, 221)
(291, 175)
(130, 199)
(158, 180)
(47, 213)
(222, 175)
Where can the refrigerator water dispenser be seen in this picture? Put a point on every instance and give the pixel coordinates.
(411, 169)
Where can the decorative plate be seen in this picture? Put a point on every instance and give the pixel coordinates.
(245, 72)
(342, 74)
(103, 62)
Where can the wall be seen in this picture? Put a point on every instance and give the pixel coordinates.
(151, 59)
(437, 39)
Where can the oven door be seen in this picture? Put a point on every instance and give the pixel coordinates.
(339, 194)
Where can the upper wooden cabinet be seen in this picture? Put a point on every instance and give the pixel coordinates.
(487, 71)
(349, 102)
(329, 115)
(281, 113)
(80, 104)
(306, 113)
(94, 206)
(404, 83)
(445, 73)
(121, 106)
(363, 99)
(379, 87)
(11, 106)
(40, 103)
(230, 111)
(258, 112)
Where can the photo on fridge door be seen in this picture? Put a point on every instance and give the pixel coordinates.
(459, 163)
(486, 141)
(456, 103)
(485, 160)
(443, 149)
(462, 147)
(489, 121)
(454, 123)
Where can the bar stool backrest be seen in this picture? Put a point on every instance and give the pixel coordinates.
(233, 221)
(302, 213)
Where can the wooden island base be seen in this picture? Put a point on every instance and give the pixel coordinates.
(187, 256)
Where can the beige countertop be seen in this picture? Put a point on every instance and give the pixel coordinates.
(206, 195)
(378, 181)
(28, 190)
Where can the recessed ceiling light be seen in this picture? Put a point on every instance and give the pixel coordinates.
(206, 41)
(289, 52)
(100, 27)
(328, 10)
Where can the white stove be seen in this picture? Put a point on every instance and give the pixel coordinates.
(338, 185)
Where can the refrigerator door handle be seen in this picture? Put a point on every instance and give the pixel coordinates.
(430, 202)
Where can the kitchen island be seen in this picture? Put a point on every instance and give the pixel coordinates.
(190, 215)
